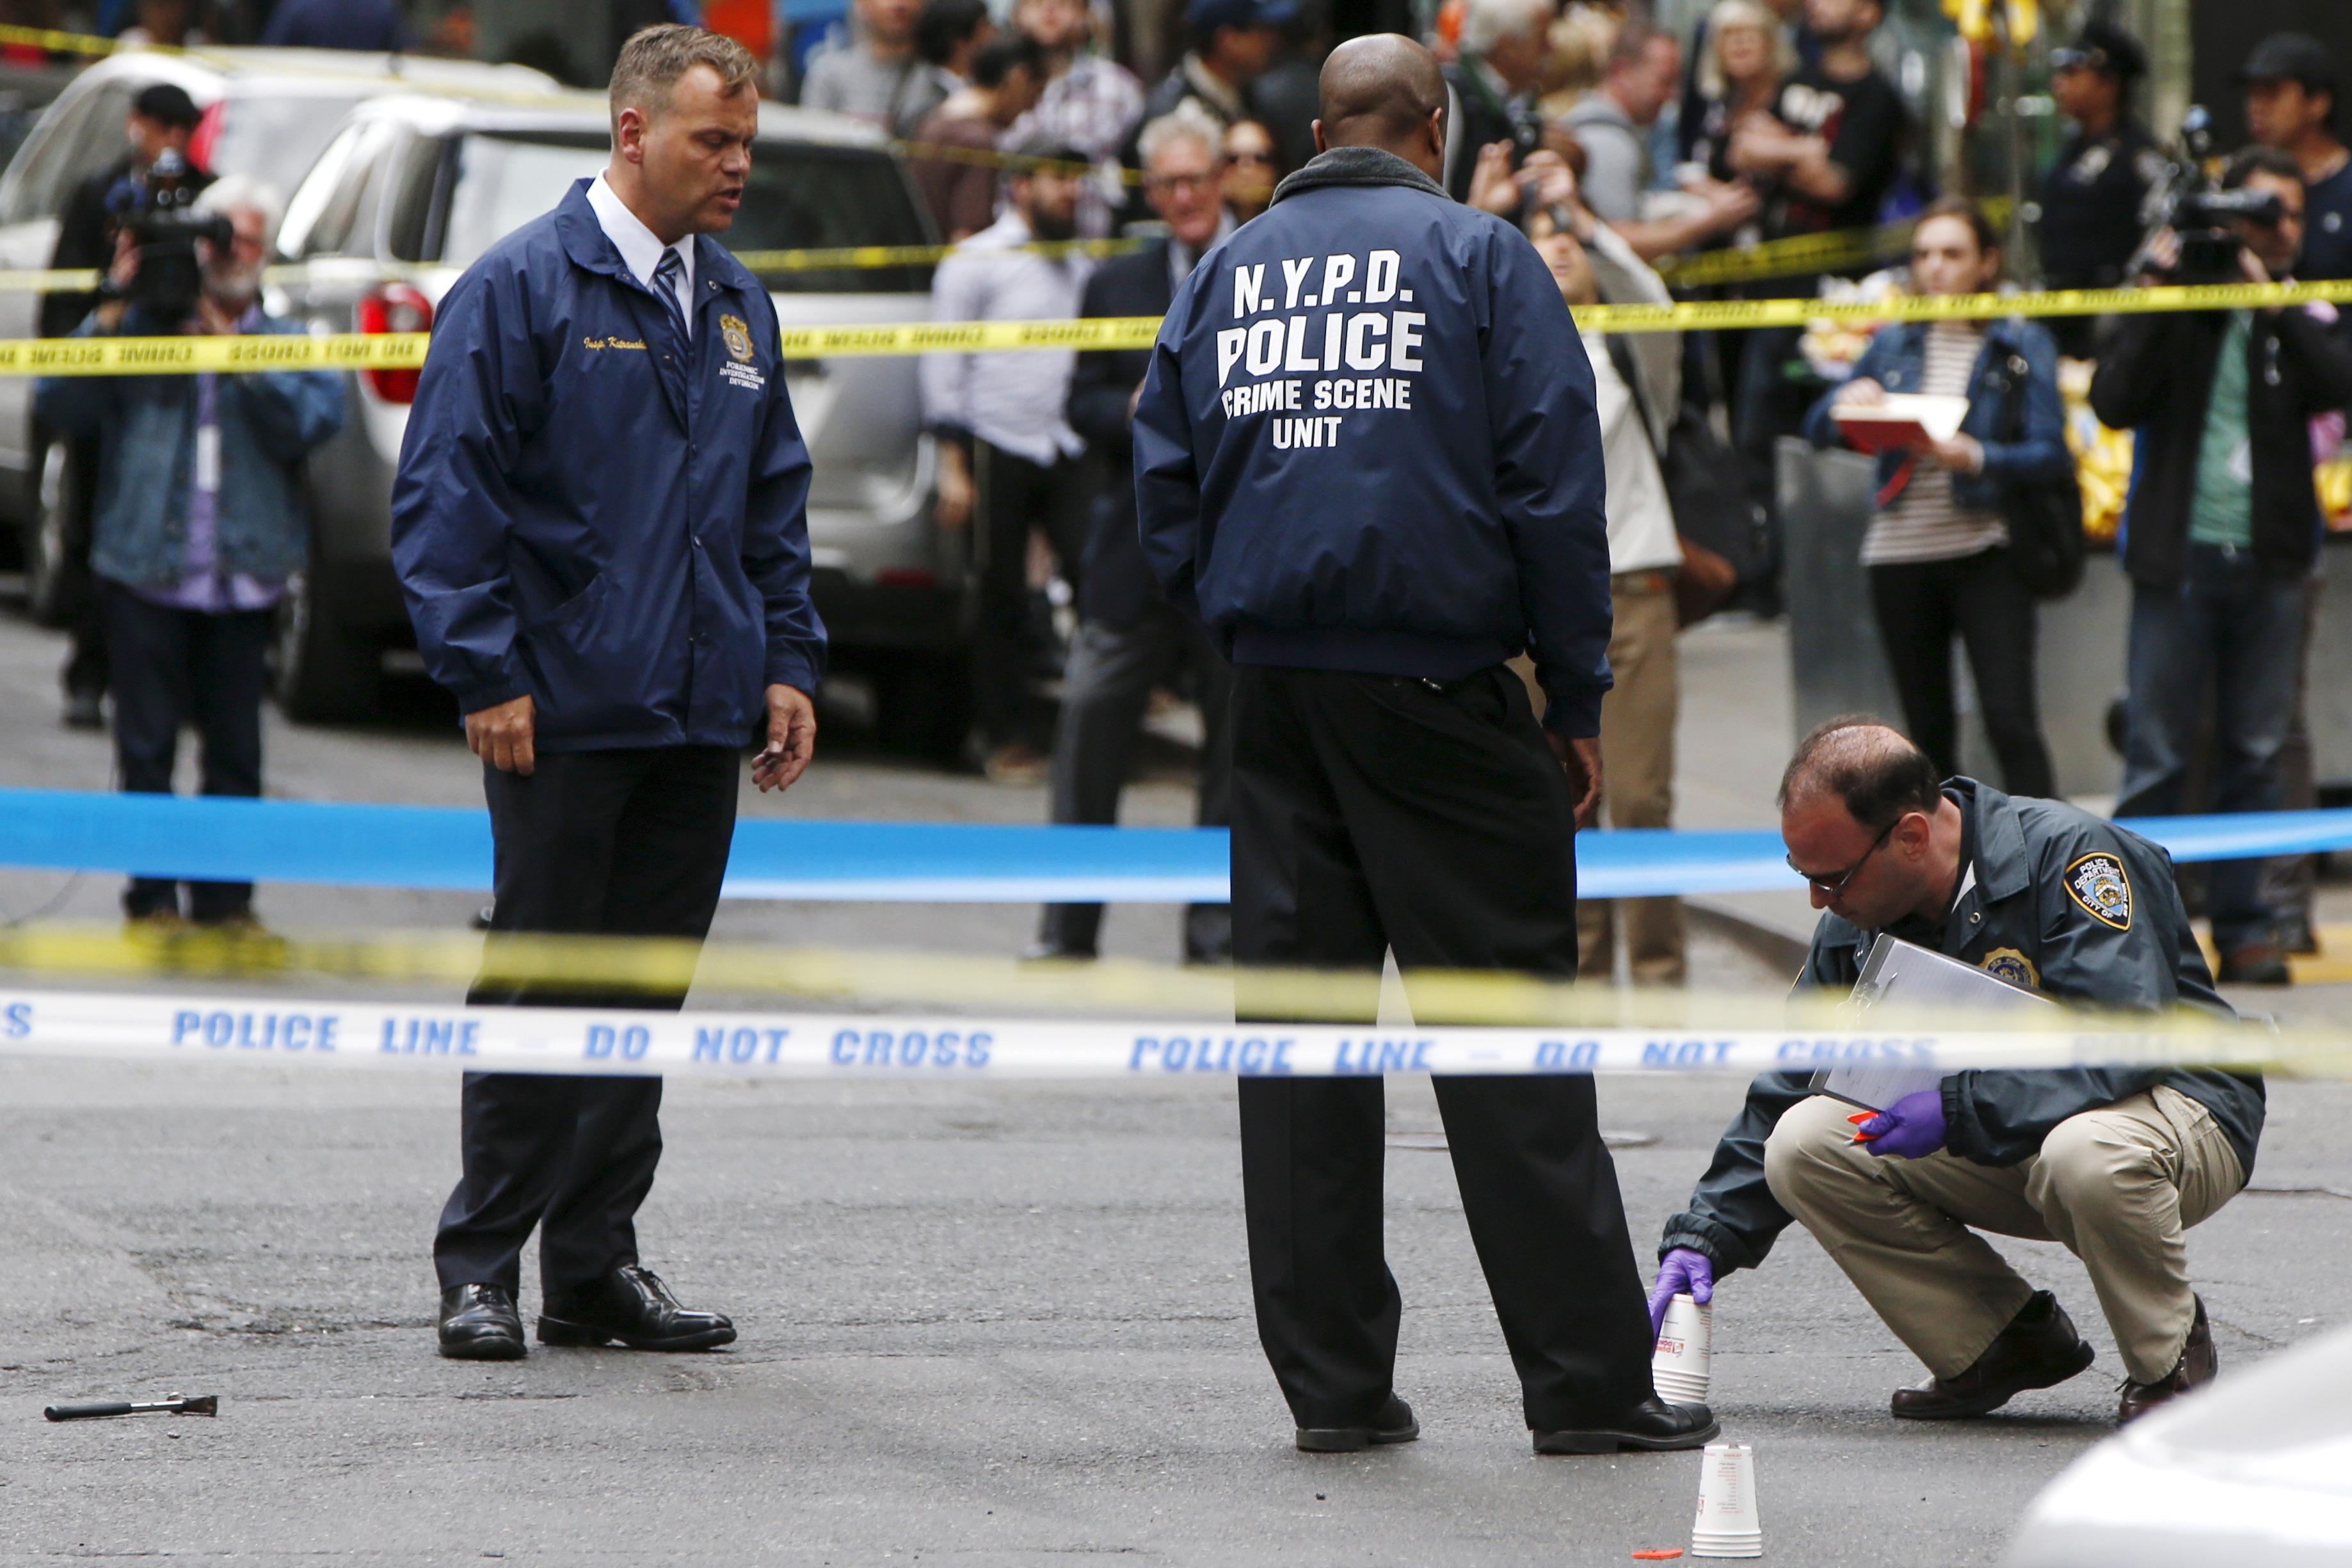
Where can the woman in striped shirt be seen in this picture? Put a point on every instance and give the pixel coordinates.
(1937, 549)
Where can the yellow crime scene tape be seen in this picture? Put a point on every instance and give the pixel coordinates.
(1801, 254)
(1109, 1018)
(397, 351)
(808, 259)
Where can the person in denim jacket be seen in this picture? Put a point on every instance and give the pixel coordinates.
(201, 518)
(1937, 549)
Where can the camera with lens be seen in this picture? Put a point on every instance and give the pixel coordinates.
(2204, 215)
(158, 213)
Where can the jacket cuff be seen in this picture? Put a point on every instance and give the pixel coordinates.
(1960, 1133)
(793, 668)
(1709, 1237)
(474, 697)
(1574, 712)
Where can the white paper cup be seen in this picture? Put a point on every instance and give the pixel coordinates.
(1727, 1524)
(1679, 1365)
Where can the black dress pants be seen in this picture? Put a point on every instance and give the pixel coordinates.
(1105, 690)
(173, 668)
(620, 843)
(1370, 814)
(1014, 495)
(1921, 606)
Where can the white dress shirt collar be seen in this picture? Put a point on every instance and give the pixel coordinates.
(641, 250)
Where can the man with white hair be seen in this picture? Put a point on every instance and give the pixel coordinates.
(200, 517)
(1130, 638)
(1492, 87)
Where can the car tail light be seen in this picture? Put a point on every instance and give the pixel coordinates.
(208, 135)
(394, 308)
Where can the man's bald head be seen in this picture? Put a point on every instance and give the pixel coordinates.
(1870, 769)
(1384, 91)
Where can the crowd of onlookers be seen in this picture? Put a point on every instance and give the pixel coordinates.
(1770, 123)
(1618, 145)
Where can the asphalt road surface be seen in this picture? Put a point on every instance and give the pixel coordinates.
(986, 1323)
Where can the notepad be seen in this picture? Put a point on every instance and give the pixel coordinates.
(1900, 419)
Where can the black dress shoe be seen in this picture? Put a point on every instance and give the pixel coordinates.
(1395, 1424)
(2199, 1363)
(1652, 1426)
(631, 1305)
(2254, 963)
(479, 1323)
(2038, 1349)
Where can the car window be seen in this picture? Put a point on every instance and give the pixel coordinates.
(382, 168)
(799, 196)
(318, 190)
(83, 137)
(342, 221)
(415, 197)
(274, 138)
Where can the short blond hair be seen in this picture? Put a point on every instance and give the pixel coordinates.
(1730, 16)
(655, 57)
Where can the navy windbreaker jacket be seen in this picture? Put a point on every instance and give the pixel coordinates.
(1367, 442)
(591, 512)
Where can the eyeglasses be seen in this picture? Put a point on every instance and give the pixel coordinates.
(1833, 887)
(1265, 158)
(1182, 181)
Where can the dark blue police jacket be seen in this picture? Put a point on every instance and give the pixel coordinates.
(1367, 442)
(591, 512)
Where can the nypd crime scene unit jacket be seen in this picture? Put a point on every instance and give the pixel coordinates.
(1367, 443)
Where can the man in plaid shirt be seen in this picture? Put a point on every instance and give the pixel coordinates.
(1090, 102)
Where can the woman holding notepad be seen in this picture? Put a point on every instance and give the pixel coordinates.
(1959, 414)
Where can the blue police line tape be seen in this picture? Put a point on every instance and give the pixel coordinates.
(277, 1032)
(445, 847)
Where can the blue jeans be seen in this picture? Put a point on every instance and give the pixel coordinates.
(2232, 629)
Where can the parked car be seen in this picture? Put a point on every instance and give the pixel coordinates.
(412, 189)
(275, 107)
(2256, 1469)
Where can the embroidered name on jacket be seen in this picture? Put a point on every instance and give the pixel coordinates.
(1320, 331)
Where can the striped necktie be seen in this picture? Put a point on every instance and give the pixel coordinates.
(667, 272)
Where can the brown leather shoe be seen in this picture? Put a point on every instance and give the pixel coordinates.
(2197, 1364)
(2038, 1349)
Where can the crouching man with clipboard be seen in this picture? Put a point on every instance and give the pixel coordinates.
(2114, 1162)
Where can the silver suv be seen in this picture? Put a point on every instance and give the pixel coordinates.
(412, 189)
(270, 112)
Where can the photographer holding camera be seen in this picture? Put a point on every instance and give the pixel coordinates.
(2222, 528)
(200, 516)
(161, 122)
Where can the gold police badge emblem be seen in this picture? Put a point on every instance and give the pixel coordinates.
(738, 336)
(2100, 885)
(2006, 963)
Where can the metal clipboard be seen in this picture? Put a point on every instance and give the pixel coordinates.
(1915, 979)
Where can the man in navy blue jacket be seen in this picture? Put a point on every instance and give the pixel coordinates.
(1367, 457)
(600, 523)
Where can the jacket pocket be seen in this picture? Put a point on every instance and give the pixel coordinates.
(585, 679)
(571, 612)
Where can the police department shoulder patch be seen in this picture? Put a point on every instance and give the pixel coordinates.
(2007, 963)
(737, 336)
(2099, 883)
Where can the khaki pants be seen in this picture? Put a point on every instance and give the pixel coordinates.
(1637, 774)
(2116, 1187)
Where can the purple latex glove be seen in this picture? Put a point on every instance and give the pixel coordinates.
(1910, 1128)
(1680, 1272)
